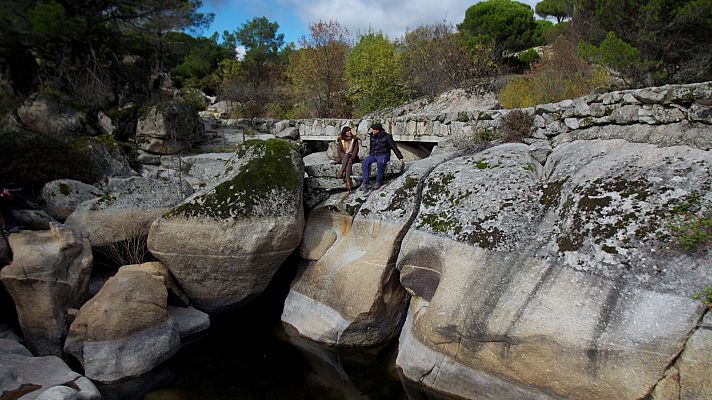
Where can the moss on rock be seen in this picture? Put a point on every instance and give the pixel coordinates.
(266, 170)
(402, 194)
(64, 189)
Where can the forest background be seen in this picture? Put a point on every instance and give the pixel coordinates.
(107, 53)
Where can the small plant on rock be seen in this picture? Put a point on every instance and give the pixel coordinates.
(704, 296)
(692, 226)
(132, 250)
(516, 125)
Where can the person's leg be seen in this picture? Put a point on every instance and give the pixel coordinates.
(381, 169)
(347, 174)
(344, 162)
(348, 168)
(365, 166)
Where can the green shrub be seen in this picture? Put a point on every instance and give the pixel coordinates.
(486, 135)
(30, 160)
(517, 93)
(560, 75)
(529, 56)
(194, 98)
(516, 125)
(616, 54)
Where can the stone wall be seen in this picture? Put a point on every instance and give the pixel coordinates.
(667, 115)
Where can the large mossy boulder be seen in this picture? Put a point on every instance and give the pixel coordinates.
(561, 281)
(107, 156)
(225, 243)
(168, 128)
(49, 274)
(347, 290)
(125, 330)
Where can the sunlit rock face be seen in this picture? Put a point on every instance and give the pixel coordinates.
(347, 291)
(557, 281)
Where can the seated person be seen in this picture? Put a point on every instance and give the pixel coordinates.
(381, 145)
(347, 148)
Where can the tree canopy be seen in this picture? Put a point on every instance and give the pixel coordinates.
(261, 68)
(510, 25)
(559, 9)
(375, 74)
(316, 72)
(80, 45)
(672, 36)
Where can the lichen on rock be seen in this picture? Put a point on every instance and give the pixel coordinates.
(260, 170)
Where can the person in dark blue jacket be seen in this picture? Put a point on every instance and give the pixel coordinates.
(381, 145)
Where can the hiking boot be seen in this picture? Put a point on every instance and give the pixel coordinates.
(364, 187)
(377, 186)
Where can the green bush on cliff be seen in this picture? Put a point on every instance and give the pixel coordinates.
(560, 75)
(617, 55)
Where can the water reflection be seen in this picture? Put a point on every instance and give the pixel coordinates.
(248, 355)
(351, 374)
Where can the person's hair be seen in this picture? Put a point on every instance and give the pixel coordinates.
(344, 130)
(378, 126)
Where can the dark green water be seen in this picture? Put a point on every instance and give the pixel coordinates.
(248, 355)
(249, 362)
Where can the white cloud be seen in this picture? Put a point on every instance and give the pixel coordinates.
(392, 17)
(240, 51)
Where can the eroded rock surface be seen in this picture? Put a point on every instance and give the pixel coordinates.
(224, 244)
(64, 195)
(49, 274)
(127, 210)
(125, 330)
(168, 128)
(349, 295)
(555, 282)
(26, 377)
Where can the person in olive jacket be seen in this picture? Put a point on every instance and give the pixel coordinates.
(381, 145)
(347, 153)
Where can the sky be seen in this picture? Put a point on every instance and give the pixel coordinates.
(392, 17)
